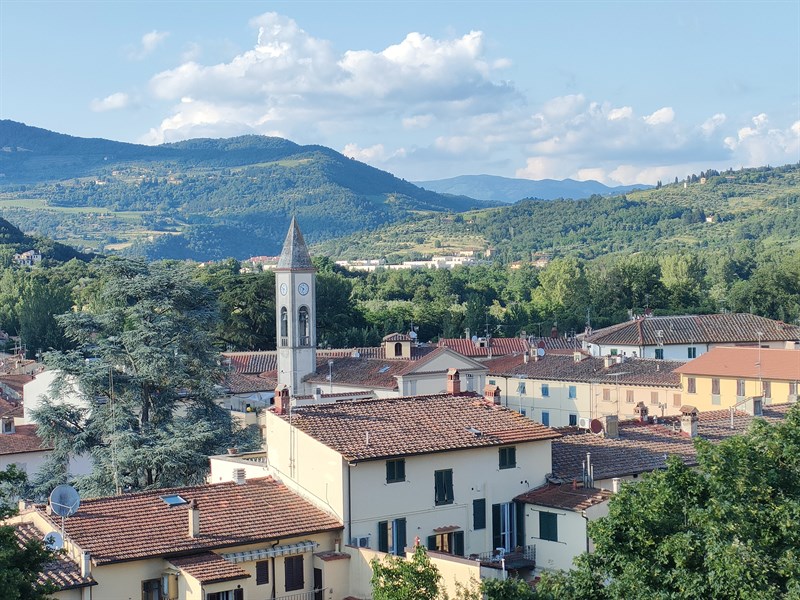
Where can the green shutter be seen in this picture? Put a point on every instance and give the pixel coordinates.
(432, 542)
(520, 524)
(400, 536)
(458, 543)
(448, 480)
(497, 539)
(479, 514)
(383, 536)
(400, 470)
(548, 526)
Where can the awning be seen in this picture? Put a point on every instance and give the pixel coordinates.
(446, 529)
(262, 553)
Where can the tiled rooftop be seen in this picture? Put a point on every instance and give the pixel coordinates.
(564, 496)
(24, 439)
(238, 383)
(698, 329)
(495, 346)
(141, 525)
(632, 371)
(382, 428)
(252, 363)
(752, 363)
(208, 567)
(642, 447)
(16, 382)
(61, 572)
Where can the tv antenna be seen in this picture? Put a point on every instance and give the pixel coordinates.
(64, 501)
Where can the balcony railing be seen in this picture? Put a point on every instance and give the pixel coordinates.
(317, 594)
(520, 557)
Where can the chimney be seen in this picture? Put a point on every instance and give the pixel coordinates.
(577, 357)
(491, 393)
(466, 333)
(318, 395)
(453, 382)
(526, 358)
(612, 427)
(689, 419)
(282, 400)
(554, 332)
(608, 361)
(86, 564)
(642, 411)
(194, 519)
(615, 483)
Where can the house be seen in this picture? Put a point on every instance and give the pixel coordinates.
(570, 390)
(444, 468)
(686, 337)
(557, 517)
(229, 541)
(28, 258)
(726, 376)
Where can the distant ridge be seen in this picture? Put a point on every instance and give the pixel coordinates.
(505, 189)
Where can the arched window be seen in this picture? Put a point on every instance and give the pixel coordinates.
(398, 349)
(303, 327)
(284, 327)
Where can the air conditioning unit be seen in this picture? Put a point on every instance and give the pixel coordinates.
(360, 542)
(584, 423)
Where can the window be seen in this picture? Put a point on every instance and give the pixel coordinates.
(614, 352)
(151, 589)
(545, 390)
(392, 536)
(676, 400)
(792, 388)
(293, 572)
(443, 487)
(715, 385)
(691, 352)
(303, 327)
(521, 388)
(452, 542)
(479, 514)
(606, 395)
(691, 385)
(660, 353)
(508, 525)
(284, 327)
(740, 388)
(766, 389)
(572, 392)
(654, 398)
(548, 526)
(545, 418)
(508, 457)
(395, 470)
(492, 382)
(629, 396)
(398, 349)
(573, 420)
(262, 572)
(237, 594)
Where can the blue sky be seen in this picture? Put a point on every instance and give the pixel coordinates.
(621, 92)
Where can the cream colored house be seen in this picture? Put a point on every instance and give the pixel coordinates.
(726, 377)
(231, 541)
(562, 390)
(441, 468)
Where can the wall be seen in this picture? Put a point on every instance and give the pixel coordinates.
(223, 466)
(33, 392)
(704, 400)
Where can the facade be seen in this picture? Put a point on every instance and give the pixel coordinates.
(443, 468)
(570, 390)
(727, 377)
(686, 337)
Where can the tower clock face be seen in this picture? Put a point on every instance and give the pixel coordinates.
(302, 289)
(284, 289)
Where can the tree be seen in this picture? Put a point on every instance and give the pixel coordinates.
(145, 367)
(398, 578)
(728, 529)
(20, 564)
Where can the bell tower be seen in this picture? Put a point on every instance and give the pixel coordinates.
(296, 312)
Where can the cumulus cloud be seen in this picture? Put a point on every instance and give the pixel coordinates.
(661, 116)
(148, 44)
(713, 123)
(376, 153)
(115, 101)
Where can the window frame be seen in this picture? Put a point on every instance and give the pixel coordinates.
(155, 585)
(443, 493)
(293, 577)
(507, 457)
(548, 526)
(479, 514)
(262, 572)
(393, 474)
(691, 385)
(572, 392)
(545, 390)
(659, 354)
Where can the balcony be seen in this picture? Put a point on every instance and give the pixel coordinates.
(317, 594)
(521, 558)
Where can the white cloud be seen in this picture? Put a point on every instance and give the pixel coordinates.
(373, 154)
(148, 44)
(661, 117)
(417, 121)
(713, 123)
(615, 114)
(115, 101)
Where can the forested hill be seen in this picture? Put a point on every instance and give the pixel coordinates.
(715, 211)
(202, 199)
(13, 241)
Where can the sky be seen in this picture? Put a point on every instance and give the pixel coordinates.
(619, 92)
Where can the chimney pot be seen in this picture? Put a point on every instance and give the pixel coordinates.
(86, 564)
(453, 382)
(194, 518)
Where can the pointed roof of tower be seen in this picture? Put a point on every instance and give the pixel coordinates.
(294, 255)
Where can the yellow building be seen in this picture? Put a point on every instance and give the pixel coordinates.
(727, 376)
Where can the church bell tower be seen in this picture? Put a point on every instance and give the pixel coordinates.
(296, 312)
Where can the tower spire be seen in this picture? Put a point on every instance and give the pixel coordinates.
(295, 256)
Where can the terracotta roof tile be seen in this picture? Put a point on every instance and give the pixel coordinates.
(360, 372)
(238, 383)
(24, 439)
(252, 363)
(209, 568)
(15, 382)
(565, 497)
(141, 525)
(699, 329)
(632, 371)
(497, 346)
(376, 429)
(729, 361)
(61, 572)
(397, 337)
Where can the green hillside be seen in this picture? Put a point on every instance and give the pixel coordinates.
(752, 204)
(201, 199)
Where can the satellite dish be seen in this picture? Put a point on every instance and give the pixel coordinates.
(64, 500)
(54, 541)
(540, 352)
(474, 338)
(596, 426)
(412, 335)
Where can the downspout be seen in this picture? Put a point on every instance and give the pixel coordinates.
(583, 514)
(272, 558)
(349, 502)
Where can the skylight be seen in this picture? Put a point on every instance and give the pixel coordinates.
(383, 369)
(174, 500)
